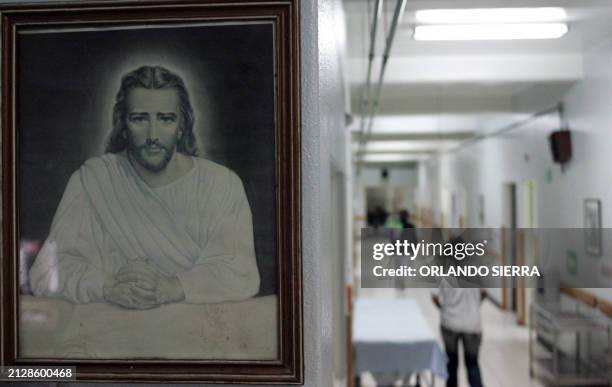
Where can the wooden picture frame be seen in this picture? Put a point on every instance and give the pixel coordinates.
(56, 18)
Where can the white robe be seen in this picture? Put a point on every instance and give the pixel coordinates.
(198, 228)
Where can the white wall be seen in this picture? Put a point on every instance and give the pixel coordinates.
(523, 156)
(324, 149)
(317, 317)
(333, 179)
(428, 190)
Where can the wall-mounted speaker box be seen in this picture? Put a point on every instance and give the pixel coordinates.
(561, 146)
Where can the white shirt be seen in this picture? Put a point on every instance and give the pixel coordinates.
(459, 308)
(198, 228)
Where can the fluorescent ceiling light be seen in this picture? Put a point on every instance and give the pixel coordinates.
(491, 15)
(403, 146)
(391, 158)
(424, 123)
(491, 31)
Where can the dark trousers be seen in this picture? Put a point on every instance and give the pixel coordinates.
(471, 345)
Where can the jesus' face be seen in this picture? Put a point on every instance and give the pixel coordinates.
(152, 121)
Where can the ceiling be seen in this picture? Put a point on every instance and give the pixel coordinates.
(443, 92)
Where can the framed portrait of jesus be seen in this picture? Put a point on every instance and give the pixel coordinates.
(151, 190)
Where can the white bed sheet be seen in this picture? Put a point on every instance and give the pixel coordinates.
(391, 336)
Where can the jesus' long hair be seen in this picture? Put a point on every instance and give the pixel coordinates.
(153, 78)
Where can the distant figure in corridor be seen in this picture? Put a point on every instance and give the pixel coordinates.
(460, 321)
(404, 217)
(378, 217)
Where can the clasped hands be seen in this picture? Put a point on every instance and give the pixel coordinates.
(139, 284)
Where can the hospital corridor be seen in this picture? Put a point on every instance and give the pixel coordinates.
(476, 121)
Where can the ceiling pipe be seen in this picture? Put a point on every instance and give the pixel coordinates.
(506, 129)
(373, 104)
(397, 17)
(365, 95)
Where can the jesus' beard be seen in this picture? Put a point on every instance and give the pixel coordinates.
(137, 153)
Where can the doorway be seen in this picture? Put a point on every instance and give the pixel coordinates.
(509, 222)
